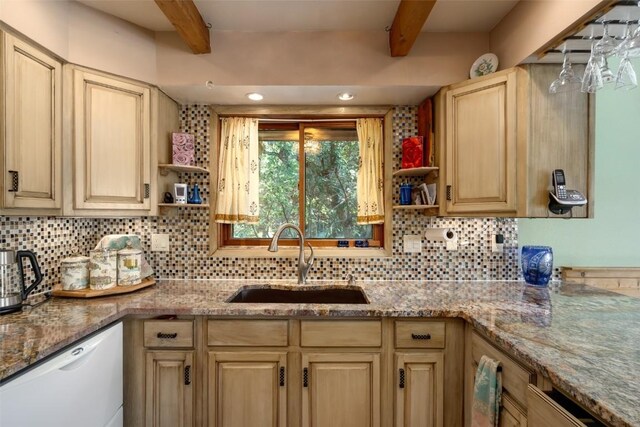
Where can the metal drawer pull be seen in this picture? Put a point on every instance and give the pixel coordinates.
(421, 336)
(401, 378)
(305, 377)
(15, 180)
(187, 375)
(166, 335)
(282, 376)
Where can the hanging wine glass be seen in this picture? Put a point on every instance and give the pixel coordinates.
(621, 49)
(607, 45)
(632, 46)
(592, 79)
(626, 78)
(567, 81)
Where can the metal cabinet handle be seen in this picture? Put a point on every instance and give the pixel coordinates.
(15, 181)
(282, 376)
(305, 377)
(448, 192)
(147, 190)
(187, 375)
(401, 378)
(421, 336)
(167, 335)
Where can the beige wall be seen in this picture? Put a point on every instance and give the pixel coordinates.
(43, 21)
(107, 43)
(533, 23)
(318, 58)
(84, 36)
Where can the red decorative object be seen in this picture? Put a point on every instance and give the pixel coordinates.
(412, 152)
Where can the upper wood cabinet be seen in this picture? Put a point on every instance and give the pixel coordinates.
(501, 136)
(31, 133)
(111, 143)
(480, 146)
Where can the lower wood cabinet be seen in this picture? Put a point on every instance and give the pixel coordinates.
(419, 389)
(247, 389)
(169, 390)
(341, 389)
(279, 372)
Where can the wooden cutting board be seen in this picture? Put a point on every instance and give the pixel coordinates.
(93, 293)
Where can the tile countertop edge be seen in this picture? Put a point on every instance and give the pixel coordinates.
(155, 302)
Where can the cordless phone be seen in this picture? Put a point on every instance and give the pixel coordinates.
(559, 184)
(560, 193)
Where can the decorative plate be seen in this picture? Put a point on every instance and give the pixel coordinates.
(486, 64)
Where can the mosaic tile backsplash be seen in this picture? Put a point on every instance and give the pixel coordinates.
(55, 238)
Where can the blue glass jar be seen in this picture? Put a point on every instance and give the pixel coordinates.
(405, 193)
(537, 264)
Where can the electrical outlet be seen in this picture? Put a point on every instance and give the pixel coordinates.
(452, 245)
(160, 243)
(412, 243)
(497, 243)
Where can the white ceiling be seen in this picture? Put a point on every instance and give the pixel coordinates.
(313, 15)
(301, 95)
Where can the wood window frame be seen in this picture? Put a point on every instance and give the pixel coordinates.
(220, 242)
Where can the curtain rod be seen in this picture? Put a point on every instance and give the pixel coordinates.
(306, 120)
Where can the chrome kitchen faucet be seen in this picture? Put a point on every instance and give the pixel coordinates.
(303, 264)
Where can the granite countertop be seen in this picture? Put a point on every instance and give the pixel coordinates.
(585, 340)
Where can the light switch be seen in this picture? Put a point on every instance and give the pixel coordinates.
(412, 243)
(160, 243)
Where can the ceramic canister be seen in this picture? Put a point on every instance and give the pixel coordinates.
(129, 262)
(103, 269)
(75, 272)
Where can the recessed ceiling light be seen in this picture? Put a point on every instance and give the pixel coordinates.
(255, 96)
(209, 84)
(346, 96)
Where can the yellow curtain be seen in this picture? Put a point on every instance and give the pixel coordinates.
(238, 172)
(370, 172)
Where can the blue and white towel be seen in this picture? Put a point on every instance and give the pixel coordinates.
(487, 394)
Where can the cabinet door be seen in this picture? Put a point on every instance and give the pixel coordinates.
(341, 390)
(247, 389)
(169, 388)
(510, 414)
(419, 390)
(112, 144)
(480, 139)
(32, 127)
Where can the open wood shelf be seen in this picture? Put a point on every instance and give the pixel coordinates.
(415, 206)
(183, 205)
(416, 171)
(165, 167)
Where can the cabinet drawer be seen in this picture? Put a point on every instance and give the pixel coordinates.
(272, 333)
(168, 333)
(515, 378)
(556, 410)
(411, 334)
(340, 333)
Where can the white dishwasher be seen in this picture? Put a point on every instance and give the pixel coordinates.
(79, 387)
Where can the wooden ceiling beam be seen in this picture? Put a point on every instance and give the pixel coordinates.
(407, 24)
(185, 17)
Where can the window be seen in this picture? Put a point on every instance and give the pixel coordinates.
(308, 173)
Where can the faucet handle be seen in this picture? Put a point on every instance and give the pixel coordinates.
(351, 280)
(311, 258)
